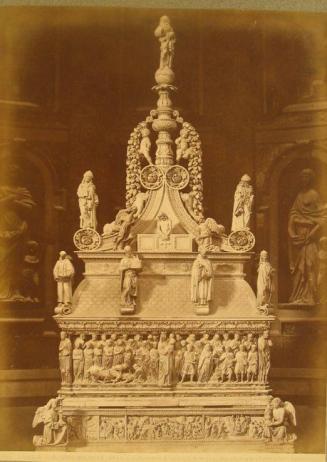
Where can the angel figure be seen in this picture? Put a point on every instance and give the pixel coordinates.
(55, 428)
(243, 202)
(264, 282)
(139, 202)
(166, 36)
(145, 145)
(282, 418)
(183, 151)
(118, 232)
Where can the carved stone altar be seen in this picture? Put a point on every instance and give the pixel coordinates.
(188, 359)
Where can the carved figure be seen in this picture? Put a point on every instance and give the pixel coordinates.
(228, 364)
(145, 145)
(189, 363)
(129, 266)
(166, 35)
(253, 360)
(201, 279)
(264, 344)
(243, 203)
(183, 150)
(55, 428)
(63, 272)
(139, 202)
(164, 226)
(241, 362)
(282, 418)
(65, 358)
(88, 360)
(264, 282)
(306, 220)
(166, 360)
(108, 354)
(119, 231)
(31, 279)
(205, 364)
(78, 362)
(322, 275)
(16, 203)
(210, 235)
(88, 201)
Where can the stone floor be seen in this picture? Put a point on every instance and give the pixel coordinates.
(16, 433)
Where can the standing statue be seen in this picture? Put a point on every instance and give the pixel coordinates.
(65, 358)
(167, 40)
(264, 282)
(280, 417)
(201, 279)
(16, 203)
(305, 223)
(55, 428)
(118, 233)
(88, 201)
(322, 276)
(31, 279)
(139, 202)
(164, 226)
(243, 203)
(145, 145)
(205, 365)
(166, 369)
(78, 361)
(264, 344)
(63, 272)
(129, 266)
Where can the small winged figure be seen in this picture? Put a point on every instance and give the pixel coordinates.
(55, 428)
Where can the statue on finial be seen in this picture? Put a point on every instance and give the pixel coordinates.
(166, 36)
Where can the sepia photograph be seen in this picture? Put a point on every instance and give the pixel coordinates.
(163, 231)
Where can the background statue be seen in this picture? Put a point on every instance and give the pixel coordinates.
(88, 201)
(201, 279)
(322, 276)
(119, 231)
(63, 273)
(31, 279)
(243, 203)
(145, 145)
(129, 266)
(306, 219)
(264, 282)
(55, 429)
(167, 40)
(16, 203)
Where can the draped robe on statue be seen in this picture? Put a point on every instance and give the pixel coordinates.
(306, 218)
(14, 203)
(201, 280)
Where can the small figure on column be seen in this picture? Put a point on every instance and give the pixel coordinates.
(201, 282)
(167, 40)
(129, 266)
(145, 145)
(63, 273)
(88, 201)
(264, 283)
(243, 202)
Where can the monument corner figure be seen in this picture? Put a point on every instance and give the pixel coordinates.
(163, 341)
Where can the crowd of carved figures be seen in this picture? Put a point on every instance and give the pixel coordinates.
(165, 359)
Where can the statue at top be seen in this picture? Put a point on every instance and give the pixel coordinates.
(166, 36)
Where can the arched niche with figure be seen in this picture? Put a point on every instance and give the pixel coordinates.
(29, 205)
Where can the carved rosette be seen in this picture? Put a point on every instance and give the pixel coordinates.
(241, 241)
(87, 239)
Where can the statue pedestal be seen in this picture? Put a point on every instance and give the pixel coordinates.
(201, 309)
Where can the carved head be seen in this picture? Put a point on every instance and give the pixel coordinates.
(62, 254)
(276, 403)
(246, 178)
(88, 176)
(128, 250)
(145, 132)
(263, 255)
(307, 177)
(63, 335)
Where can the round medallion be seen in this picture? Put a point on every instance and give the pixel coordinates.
(87, 239)
(241, 241)
(177, 177)
(151, 177)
